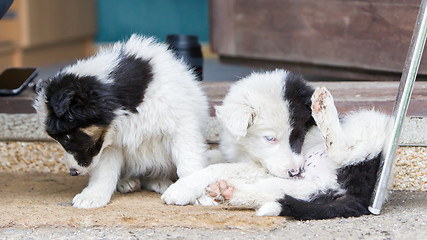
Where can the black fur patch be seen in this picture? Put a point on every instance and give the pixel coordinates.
(358, 181)
(325, 206)
(298, 94)
(76, 102)
(132, 77)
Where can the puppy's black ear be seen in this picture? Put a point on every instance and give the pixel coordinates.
(60, 101)
(72, 96)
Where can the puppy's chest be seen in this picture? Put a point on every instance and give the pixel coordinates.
(156, 147)
(151, 154)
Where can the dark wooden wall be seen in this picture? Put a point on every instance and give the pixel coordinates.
(363, 39)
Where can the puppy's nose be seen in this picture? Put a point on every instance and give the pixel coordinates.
(293, 172)
(74, 172)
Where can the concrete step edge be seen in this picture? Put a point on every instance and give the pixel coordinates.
(26, 127)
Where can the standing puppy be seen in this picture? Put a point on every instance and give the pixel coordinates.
(130, 116)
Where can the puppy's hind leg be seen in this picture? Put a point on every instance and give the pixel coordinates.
(358, 137)
(156, 185)
(325, 114)
(129, 185)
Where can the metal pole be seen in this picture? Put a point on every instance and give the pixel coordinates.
(406, 85)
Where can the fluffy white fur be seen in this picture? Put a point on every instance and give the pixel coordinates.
(162, 141)
(253, 109)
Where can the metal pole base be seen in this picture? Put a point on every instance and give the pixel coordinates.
(374, 211)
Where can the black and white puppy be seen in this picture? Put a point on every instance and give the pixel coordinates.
(131, 116)
(289, 153)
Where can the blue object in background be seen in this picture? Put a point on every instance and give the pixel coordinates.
(117, 20)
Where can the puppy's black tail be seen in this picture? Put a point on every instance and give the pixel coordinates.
(357, 180)
(328, 205)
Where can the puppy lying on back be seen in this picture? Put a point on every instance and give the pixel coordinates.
(131, 116)
(289, 153)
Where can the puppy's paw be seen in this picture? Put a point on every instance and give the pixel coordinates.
(326, 116)
(157, 185)
(320, 99)
(220, 191)
(86, 200)
(129, 185)
(179, 194)
(269, 209)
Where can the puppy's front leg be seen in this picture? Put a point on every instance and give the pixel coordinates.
(188, 151)
(188, 189)
(102, 182)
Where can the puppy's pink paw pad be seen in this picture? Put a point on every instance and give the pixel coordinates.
(228, 193)
(220, 191)
(213, 190)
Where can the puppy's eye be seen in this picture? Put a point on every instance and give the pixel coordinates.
(67, 138)
(270, 139)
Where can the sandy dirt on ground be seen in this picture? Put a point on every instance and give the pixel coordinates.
(38, 206)
(37, 199)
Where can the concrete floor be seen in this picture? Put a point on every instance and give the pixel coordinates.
(38, 206)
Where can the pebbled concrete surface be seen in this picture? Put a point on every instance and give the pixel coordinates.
(37, 206)
(410, 171)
